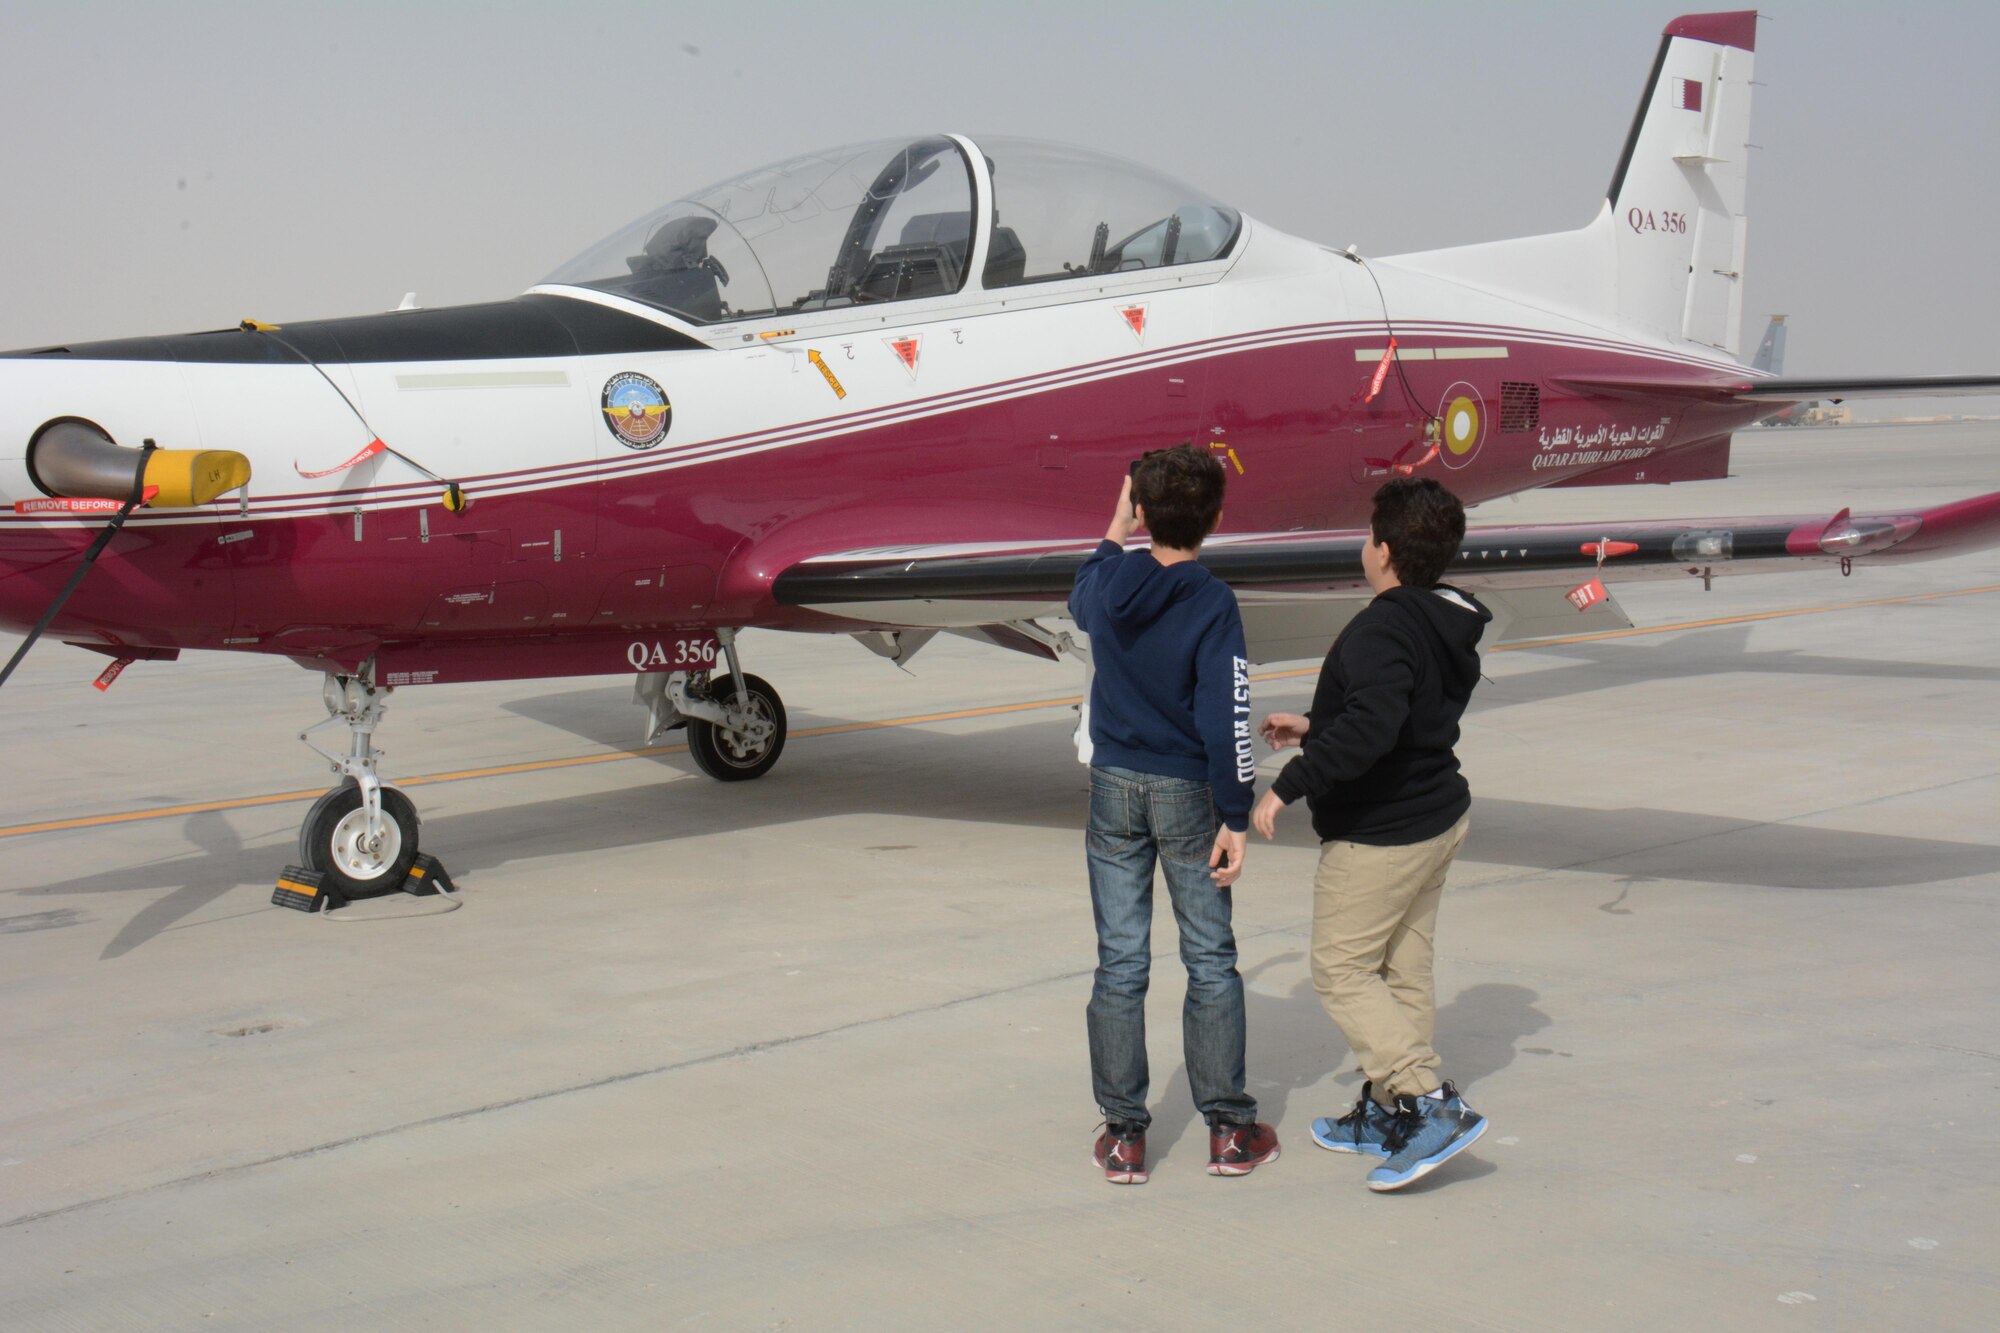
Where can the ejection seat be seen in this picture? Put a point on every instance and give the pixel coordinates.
(1006, 258)
(677, 271)
(926, 260)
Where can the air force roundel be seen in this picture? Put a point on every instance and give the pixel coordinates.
(1462, 416)
(636, 410)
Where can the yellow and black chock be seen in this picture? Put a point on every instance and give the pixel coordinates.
(305, 890)
(427, 878)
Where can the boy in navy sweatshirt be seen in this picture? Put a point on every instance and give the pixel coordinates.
(1378, 768)
(1171, 777)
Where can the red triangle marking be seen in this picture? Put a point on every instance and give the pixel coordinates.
(906, 349)
(1135, 315)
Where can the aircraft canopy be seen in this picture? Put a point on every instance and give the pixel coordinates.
(894, 220)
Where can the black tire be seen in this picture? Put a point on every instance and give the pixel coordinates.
(329, 842)
(717, 754)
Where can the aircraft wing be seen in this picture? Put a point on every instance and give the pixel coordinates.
(1527, 569)
(1788, 389)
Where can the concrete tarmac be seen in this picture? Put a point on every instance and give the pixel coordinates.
(808, 1052)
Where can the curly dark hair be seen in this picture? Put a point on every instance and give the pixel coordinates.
(1181, 491)
(1422, 524)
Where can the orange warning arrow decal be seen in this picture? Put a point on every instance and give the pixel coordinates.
(819, 363)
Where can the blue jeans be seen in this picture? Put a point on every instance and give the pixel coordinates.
(1136, 819)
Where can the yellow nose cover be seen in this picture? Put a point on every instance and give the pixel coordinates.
(188, 477)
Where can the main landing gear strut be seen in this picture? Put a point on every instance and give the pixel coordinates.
(735, 723)
(361, 835)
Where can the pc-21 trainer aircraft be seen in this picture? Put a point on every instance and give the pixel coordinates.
(885, 391)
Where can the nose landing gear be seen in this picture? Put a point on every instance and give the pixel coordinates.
(361, 834)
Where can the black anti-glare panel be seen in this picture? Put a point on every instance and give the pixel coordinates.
(525, 327)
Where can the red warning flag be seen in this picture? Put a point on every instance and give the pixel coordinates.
(1587, 595)
(368, 451)
(111, 673)
(1410, 469)
(1381, 371)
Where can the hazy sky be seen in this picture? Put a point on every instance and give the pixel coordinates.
(171, 166)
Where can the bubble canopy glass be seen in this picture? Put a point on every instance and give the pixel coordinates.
(894, 221)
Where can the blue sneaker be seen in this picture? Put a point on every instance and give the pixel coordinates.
(1364, 1129)
(1427, 1133)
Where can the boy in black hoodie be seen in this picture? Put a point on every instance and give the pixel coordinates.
(1172, 772)
(1378, 769)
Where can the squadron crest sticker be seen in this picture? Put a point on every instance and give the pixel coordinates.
(636, 410)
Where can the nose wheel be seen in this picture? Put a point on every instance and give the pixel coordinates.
(362, 836)
(335, 839)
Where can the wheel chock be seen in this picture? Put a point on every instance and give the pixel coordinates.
(427, 878)
(305, 891)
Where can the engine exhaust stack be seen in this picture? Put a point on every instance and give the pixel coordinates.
(76, 460)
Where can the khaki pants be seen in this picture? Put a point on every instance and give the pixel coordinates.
(1374, 916)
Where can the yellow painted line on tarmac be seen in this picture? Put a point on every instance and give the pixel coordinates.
(913, 720)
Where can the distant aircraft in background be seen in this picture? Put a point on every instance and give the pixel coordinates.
(888, 391)
(1770, 358)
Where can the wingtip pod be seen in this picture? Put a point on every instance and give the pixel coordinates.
(1845, 535)
(1958, 528)
(1736, 27)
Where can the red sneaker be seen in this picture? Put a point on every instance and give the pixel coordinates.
(1121, 1154)
(1237, 1150)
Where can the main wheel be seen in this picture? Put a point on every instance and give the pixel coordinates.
(334, 840)
(727, 757)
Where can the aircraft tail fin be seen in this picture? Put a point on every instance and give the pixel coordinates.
(1771, 352)
(1665, 252)
(1677, 199)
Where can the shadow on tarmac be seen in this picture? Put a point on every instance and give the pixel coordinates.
(1643, 845)
(924, 775)
(1293, 1045)
(1725, 651)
